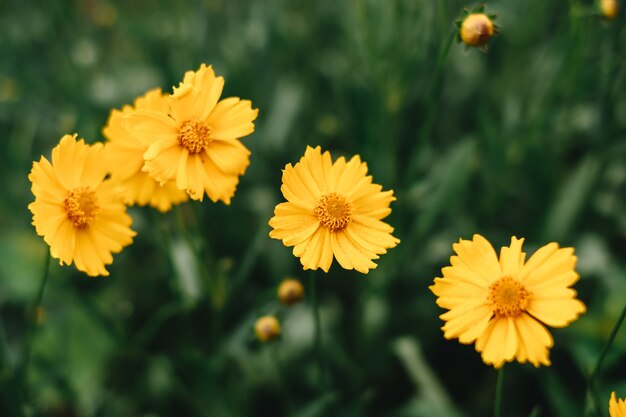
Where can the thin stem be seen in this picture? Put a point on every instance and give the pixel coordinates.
(609, 343)
(497, 403)
(593, 395)
(33, 312)
(277, 364)
(592, 392)
(432, 103)
(318, 326)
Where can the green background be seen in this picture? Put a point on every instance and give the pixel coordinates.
(527, 139)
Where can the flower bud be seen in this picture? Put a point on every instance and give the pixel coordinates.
(267, 328)
(609, 8)
(290, 291)
(477, 29)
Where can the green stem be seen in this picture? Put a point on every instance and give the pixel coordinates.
(432, 103)
(497, 403)
(34, 309)
(609, 343)
(318, 326)
(277, 364)
(594, 374)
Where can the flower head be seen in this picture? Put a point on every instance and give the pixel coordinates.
(476, 28)
(503, 305)
(333, 211)
(609, 8)
(125, 157)
(267, 328)
(290, 291)
(79, 213)
(196, 141)
(617, 408)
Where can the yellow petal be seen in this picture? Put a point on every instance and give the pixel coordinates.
(499, 342)
(375, 203)
(373, 247)
(77, 164)
(164, 166)
(617, 408)
(316, 166)
(196, 99)
(535, 339)
(340, 252)
(512, 257)
(290, 209)
(452, 292)
(477, 256)
(182, 172)
(354, 170)
(151, 126)
(556, 312)
(231, 157)
(294, 236)
(232, 119)
(313, 252)
(370, 230)
(468, 320)
(549, 267)
(326, 257)
(63, 242)
(215, 179)
(357, 259)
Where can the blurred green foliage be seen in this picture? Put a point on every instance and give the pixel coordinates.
(528, 139)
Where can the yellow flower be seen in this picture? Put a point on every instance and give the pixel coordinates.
(504, 304)
(125, 157)
(477, 29)
(267, 328)
(609, 8)
(290, 291)
(79, 213)
(617, 408)
(333, 210)
(196, 142)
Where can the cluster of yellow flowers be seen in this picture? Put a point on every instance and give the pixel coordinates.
(161, 151)
(167, 148)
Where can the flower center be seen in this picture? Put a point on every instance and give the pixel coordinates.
(81, 206)
(508, 297)
(333, 211)
(195, 136)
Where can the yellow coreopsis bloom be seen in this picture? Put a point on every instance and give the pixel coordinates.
(504, 304)
(79, 213)
(196, 142)
(333, 211)
(617, 408)
(125, 157)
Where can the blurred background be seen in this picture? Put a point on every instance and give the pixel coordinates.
(528, 139)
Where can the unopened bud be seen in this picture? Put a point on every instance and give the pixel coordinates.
(267, 328)
(290, 291)
(477, 29)
(609, 8)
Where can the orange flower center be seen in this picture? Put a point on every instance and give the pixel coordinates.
(333, 211)
(508, 297)
(195, 136)
(81, 206)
